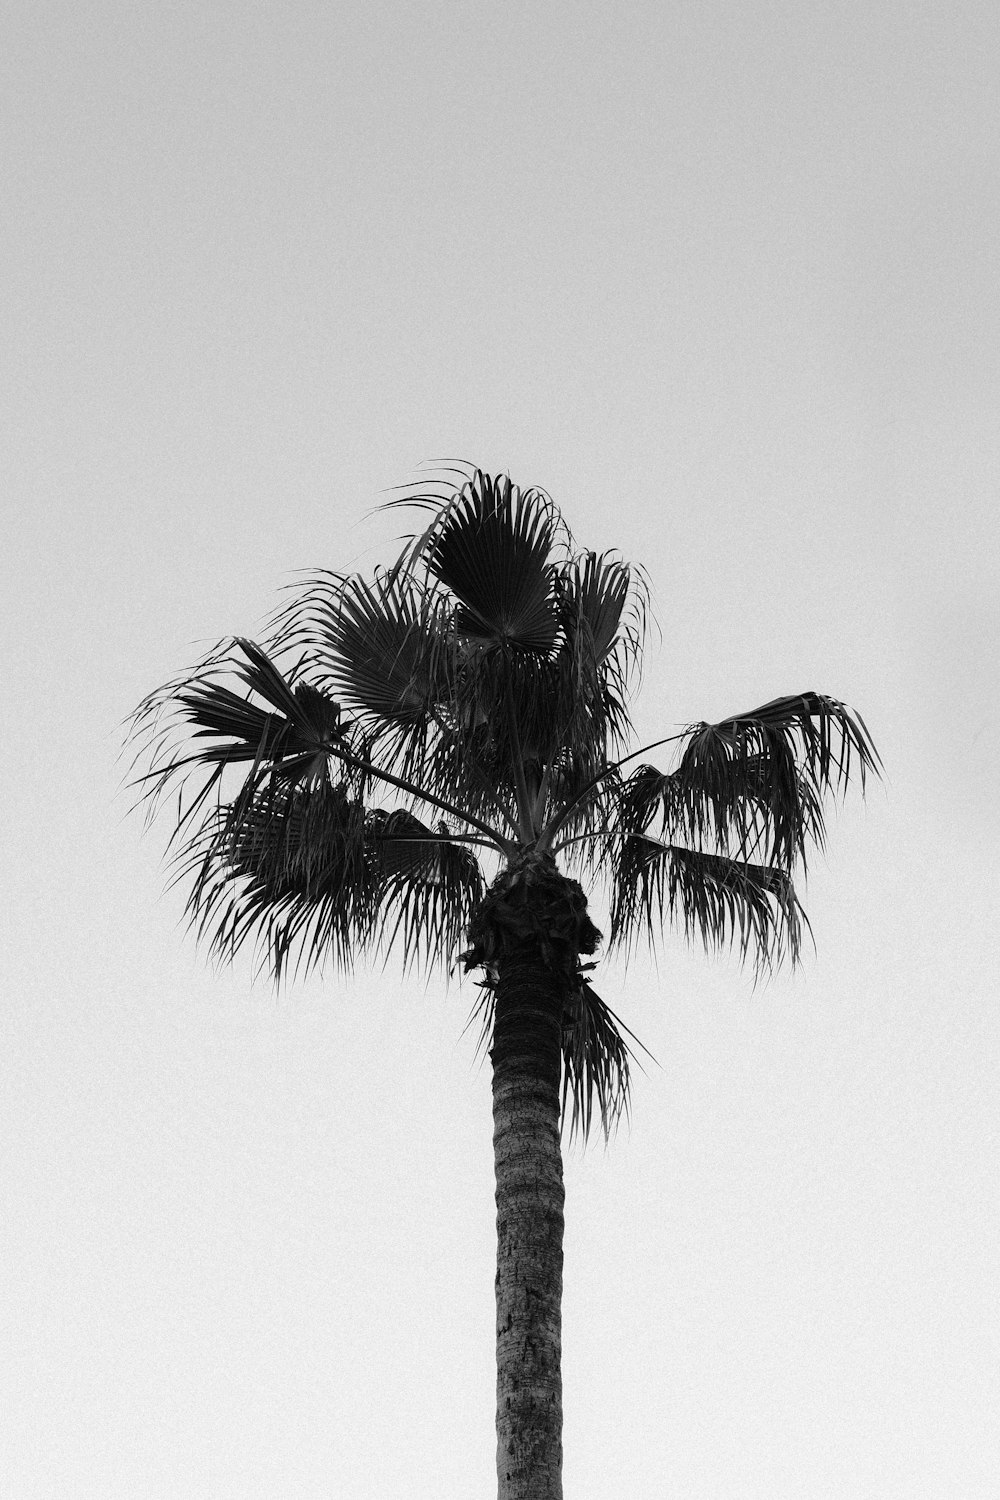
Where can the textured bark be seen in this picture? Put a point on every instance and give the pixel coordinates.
(529, 1198)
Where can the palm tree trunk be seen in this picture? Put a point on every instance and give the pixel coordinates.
(529, 1198)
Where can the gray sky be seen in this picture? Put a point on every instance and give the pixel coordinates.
(722, 278)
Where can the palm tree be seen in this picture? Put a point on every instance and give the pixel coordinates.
(426, 759)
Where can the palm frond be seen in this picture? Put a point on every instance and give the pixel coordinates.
(593, 593)
(819, 730)
(294, 731)
(385, 647)
(604, 609)
(429, 886)
(753, 785)
(197, 726)
(725, 902)
(309, 872)
(596, 1057)
(285, 865)
(586, 706)
(491, 546)
(595, 1063)
(281, 748)
(382, 646)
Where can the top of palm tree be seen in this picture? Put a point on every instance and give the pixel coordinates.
(351, 784)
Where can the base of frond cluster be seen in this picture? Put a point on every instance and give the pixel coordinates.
(532, 903)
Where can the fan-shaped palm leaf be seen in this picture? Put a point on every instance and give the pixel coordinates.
(593, 593)
(287, 738)
(382, 646)
(491, 548)
(293, 733)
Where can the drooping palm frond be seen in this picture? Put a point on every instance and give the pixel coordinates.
(430, 884)
(285, 867)
(285, 849)
(596, 1056)
(725, 902)
(298, 858)
(305, 871)
(595, 1063)
(754, 784)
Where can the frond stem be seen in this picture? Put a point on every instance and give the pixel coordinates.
(496, 840)
(549, 834)
(524, 807)
(434, 838)
(543, 790)
(577, 838)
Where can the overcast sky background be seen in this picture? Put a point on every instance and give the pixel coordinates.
(722, 278)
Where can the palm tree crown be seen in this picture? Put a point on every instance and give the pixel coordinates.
(409, 759)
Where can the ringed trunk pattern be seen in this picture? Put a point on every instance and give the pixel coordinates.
(529, 1197)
